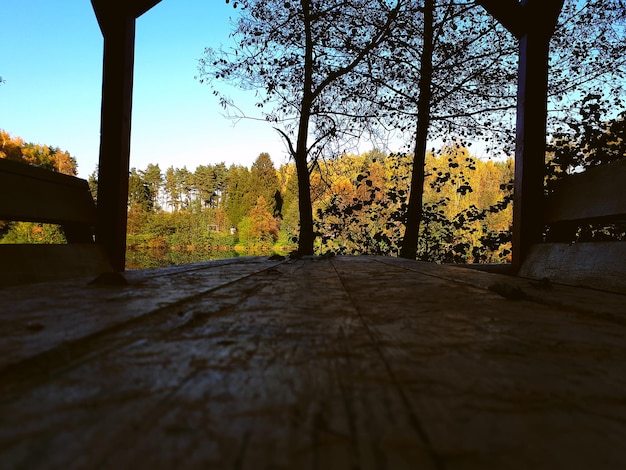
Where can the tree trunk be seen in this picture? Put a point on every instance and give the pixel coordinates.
(306, 236)
(414, 211)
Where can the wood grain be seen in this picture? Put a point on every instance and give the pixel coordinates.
(337, 363)
(601, 265)
(595, 194)
(33, 194)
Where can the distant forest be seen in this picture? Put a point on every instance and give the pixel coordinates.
(359, 201)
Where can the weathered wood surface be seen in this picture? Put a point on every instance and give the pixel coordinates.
(29, 193)
(364, 362)
(20, 264)
(595, 194)
(32, 194)
(600, 265)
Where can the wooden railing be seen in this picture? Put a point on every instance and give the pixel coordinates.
(596, 196)
(34, 194)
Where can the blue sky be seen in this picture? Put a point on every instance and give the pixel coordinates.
(51, 60)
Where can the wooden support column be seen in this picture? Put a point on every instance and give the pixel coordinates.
(530, 144)
(113, 168)
(117, 23)
(533, 23)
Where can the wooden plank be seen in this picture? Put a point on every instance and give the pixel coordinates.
(27, 264)
(107, 11)
(114, 162)
(600, 265)
(33, 194)
(39, 318)
(490, 378)
(540, 290)
(509, 13)
(380, 365)
(239, 382)
(139, 7)
(281, 387)
(595, 194)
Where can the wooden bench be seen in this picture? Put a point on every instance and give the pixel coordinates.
(32, 194)
(596, 196)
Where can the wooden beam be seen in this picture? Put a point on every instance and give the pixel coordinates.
(26, 264)
(117, 23)
(597, 265)
(594, 195)
(32, 194)
(107, 11)
(117, 85)
(139, 7)
(528, 218)
(509, 13)
(533, 23)
(29, 193)
(542, 15)
(530, 145)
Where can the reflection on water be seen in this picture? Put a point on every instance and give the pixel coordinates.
(150, 258)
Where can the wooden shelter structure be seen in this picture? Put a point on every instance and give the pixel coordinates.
(346, 362)
(117, 23)
(531, 21)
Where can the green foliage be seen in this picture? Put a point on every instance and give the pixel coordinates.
(587, 140)
(200, 209)
(365, 214)
(264, 183)
(237, 201)
(43, 156)
(32, 233)
(583, 142)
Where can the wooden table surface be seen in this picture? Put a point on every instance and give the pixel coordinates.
(321, 363)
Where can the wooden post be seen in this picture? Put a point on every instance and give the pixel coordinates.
(533, 24)
(117, 23)
(113, 168)
(530, 144)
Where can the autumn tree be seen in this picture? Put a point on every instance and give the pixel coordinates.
(289, 211)
(92, 181)
(587, 62)
(43, 156)
(263, 226)
(442, 74)
(462, 64)
(300, 56)
(10, 147)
